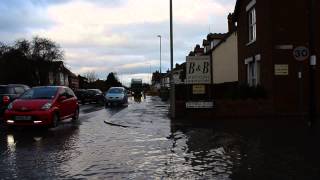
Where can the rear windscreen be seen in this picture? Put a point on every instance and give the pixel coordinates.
(115, 90)
(40, 93)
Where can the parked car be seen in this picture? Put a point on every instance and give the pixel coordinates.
(95, 95)
(82, 95)
(8, 93)
(116, 95)
(42, 106)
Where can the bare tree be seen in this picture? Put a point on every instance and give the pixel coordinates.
(46, 50)
(91, 76)
(4, 48)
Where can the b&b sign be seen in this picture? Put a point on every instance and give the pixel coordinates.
(198, 70)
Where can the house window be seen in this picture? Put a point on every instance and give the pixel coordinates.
(253, 72)
(252, 25)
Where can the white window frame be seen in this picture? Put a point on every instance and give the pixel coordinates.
(253, 70)
(252, 25)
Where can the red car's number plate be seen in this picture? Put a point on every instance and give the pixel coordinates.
(22, 118)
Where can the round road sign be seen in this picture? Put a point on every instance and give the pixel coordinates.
(301, 53)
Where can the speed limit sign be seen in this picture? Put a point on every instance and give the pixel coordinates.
(301, 53)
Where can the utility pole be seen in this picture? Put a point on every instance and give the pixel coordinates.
(160, 52)
(312, 65)
(172, 88)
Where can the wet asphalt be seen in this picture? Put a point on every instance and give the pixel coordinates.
(139, 141)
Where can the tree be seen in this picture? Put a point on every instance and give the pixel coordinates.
(45, 50)
(29, 62)
(112, 80)
(91, 76)
(42, 52)
(4, 49)
(24, 46)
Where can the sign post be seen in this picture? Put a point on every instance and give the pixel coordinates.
(300, 53)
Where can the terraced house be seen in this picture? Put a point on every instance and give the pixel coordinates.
(268, 33)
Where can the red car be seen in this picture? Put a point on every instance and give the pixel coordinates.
(42, 106)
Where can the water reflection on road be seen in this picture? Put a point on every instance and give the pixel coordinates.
(146, 145)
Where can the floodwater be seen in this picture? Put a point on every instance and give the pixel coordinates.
(139, 141)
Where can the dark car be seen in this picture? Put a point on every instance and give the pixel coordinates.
(82, 95)
(42, 106)
(8, 93)
(95, 95)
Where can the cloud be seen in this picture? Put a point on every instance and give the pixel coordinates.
(21, 17)
(115, 35)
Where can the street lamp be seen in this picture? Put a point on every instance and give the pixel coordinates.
(159, 36)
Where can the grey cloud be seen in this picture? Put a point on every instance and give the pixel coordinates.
(22, 16)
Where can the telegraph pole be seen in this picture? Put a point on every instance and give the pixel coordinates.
(172, 88)
(312, 65)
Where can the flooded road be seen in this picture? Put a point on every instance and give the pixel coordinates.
(140, 142)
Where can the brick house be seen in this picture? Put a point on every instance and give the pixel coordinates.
(268, 32)
(59, 75)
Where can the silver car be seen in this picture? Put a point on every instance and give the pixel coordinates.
(116, 96)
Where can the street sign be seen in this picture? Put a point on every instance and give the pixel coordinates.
(198, 70)
(301, 53)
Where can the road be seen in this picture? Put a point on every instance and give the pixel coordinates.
(140, 142)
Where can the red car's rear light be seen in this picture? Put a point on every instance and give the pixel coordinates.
(6, 100)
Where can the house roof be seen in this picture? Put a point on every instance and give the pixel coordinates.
(198, 49)
(227, 35)
(237, 10)
(213, 36)
(205, 42)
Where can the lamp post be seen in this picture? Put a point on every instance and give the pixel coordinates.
(172, 86)
(159, 36)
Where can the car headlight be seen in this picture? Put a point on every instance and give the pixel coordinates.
(10, 106)
(46, 106)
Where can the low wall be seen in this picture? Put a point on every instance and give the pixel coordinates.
(228, 109)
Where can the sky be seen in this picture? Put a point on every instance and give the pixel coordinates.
(115, 35)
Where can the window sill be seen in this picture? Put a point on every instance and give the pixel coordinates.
(251, 42)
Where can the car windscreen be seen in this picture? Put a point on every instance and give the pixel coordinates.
(115, 91)
(40, 93)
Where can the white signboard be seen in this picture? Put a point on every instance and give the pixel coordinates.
(198, 70)
(301, 53)
(199, 105)
(281, 69)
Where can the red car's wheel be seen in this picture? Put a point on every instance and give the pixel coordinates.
(76, 115)
(55, 120)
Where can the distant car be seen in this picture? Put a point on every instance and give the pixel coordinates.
(95, 95)
(42, 106)
(82, 95)
(116, 95)
(8, 93)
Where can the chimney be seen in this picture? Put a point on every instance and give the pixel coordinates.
(231, 24)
